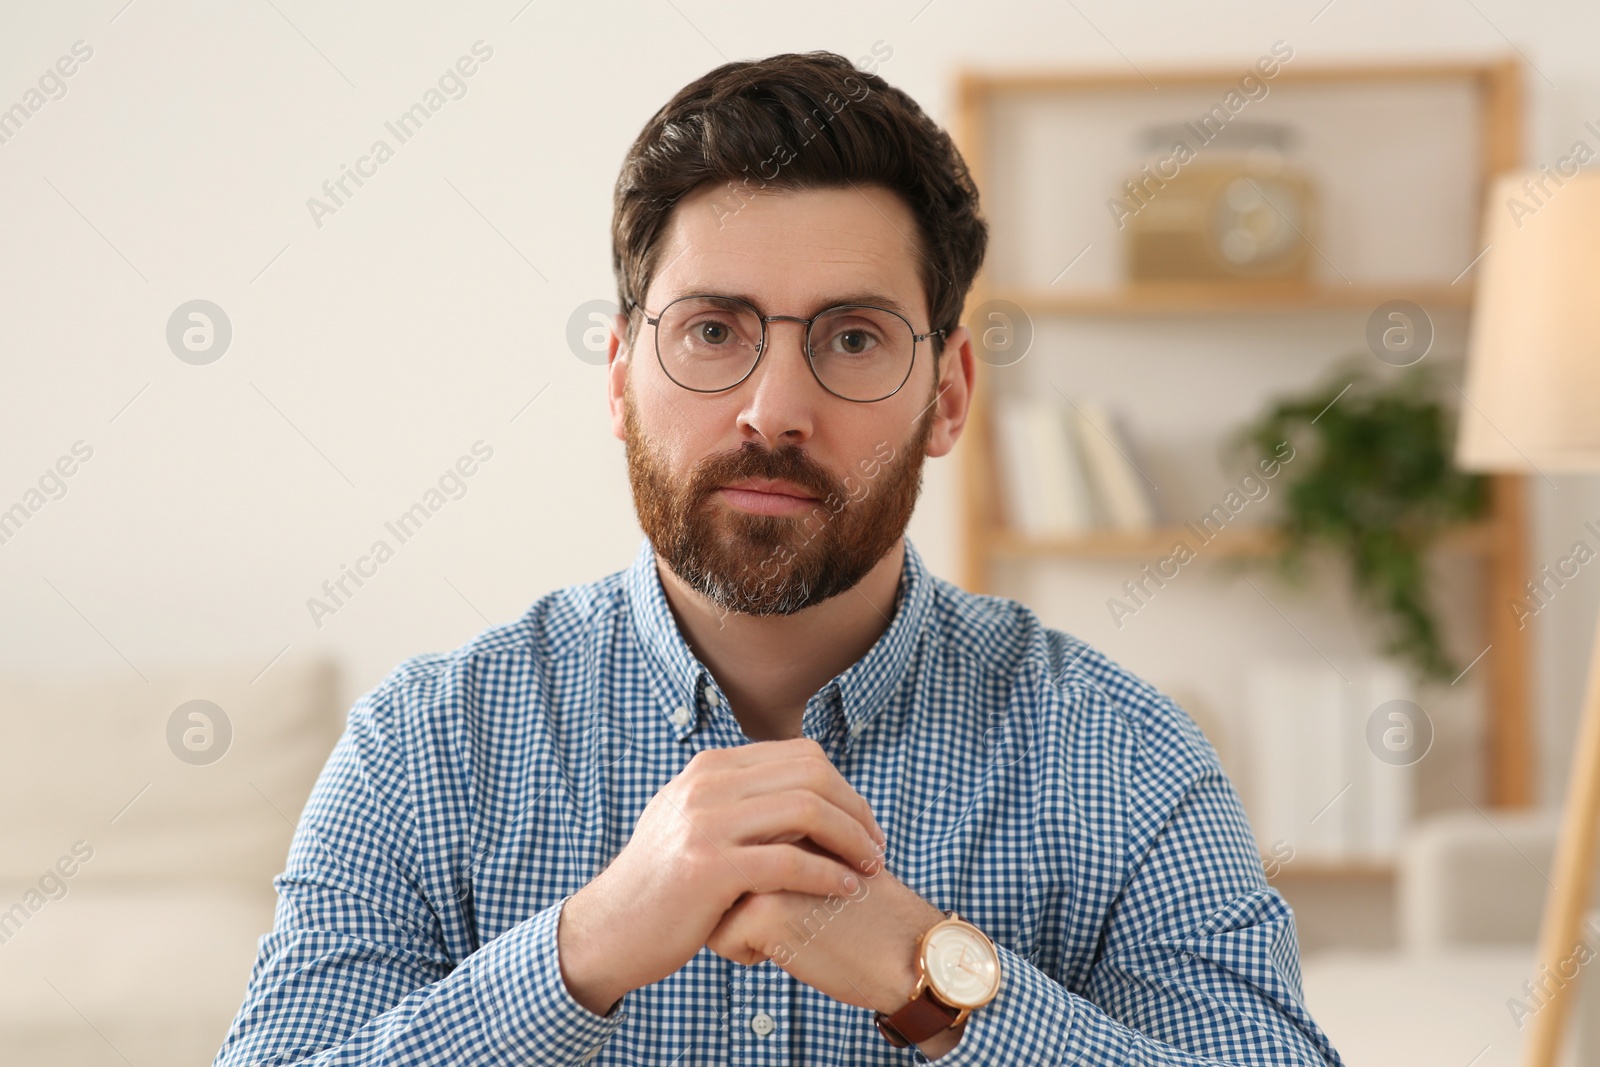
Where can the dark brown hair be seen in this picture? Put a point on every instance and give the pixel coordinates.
(799, 121)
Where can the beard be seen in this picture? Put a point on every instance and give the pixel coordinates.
(774, 564)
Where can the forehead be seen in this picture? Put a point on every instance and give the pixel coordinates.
(792, 251)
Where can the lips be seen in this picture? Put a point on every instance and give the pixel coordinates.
(770, 485)
(767, 496)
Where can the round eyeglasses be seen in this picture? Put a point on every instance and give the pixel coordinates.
(857, 352)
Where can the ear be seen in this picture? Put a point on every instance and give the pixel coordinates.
(618, 357)
(954, 389)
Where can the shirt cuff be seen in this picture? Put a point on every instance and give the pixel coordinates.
(525, 1002)
(1028, 1021)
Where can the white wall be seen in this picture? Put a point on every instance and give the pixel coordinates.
(423, 315)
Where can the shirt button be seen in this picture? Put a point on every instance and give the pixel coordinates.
(680, 715)
(712, 698)
(762, 1024)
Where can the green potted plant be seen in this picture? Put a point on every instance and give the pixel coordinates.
(1373, 479)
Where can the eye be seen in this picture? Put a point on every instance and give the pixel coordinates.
(856, 342)
(853, 340)
(714, 332)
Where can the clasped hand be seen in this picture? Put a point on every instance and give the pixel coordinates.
(761, 851)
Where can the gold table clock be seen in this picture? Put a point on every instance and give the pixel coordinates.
(1215, 205)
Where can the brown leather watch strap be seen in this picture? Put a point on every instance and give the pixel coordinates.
(916, 1022)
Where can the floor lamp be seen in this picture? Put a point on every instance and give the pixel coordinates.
(1533, 405)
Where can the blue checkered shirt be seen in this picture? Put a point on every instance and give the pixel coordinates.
(1066, 807)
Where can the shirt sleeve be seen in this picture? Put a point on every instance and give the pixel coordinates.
(1199, 964)
(356, 969)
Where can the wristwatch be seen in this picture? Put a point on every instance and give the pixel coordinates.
(958, 971)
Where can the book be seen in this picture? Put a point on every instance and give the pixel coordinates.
(1317, 783)
(1383, 796)
(1063, 482)
(1296, 722)
(1044, 487)
(1019, 469)
(1122, 493)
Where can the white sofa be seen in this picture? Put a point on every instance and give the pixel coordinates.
(134, 885)
(1471, 892)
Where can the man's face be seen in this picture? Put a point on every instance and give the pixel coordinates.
(852, 471)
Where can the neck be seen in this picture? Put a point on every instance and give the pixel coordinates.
(770, 665)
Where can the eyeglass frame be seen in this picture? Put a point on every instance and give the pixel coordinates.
(761, 346)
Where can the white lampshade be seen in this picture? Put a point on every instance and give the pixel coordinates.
(1533, 365)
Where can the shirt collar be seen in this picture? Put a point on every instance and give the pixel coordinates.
(862, 688)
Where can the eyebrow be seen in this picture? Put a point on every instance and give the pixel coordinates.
(876, 299)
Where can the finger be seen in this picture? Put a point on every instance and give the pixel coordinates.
(731, 939)
(770, 868)
(800, 813)
(869, 869)
(806, 771)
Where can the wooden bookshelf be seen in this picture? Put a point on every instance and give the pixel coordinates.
(1499, 544)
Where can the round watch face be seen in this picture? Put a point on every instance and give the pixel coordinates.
(961, 966)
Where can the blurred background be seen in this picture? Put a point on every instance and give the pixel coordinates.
(283, 283)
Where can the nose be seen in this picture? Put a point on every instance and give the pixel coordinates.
(782, 393)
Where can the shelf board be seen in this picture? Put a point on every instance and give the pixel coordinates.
(1237, 540)
(975, 84)
(1122, 544)
(1332, 870)
(1221, 297)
